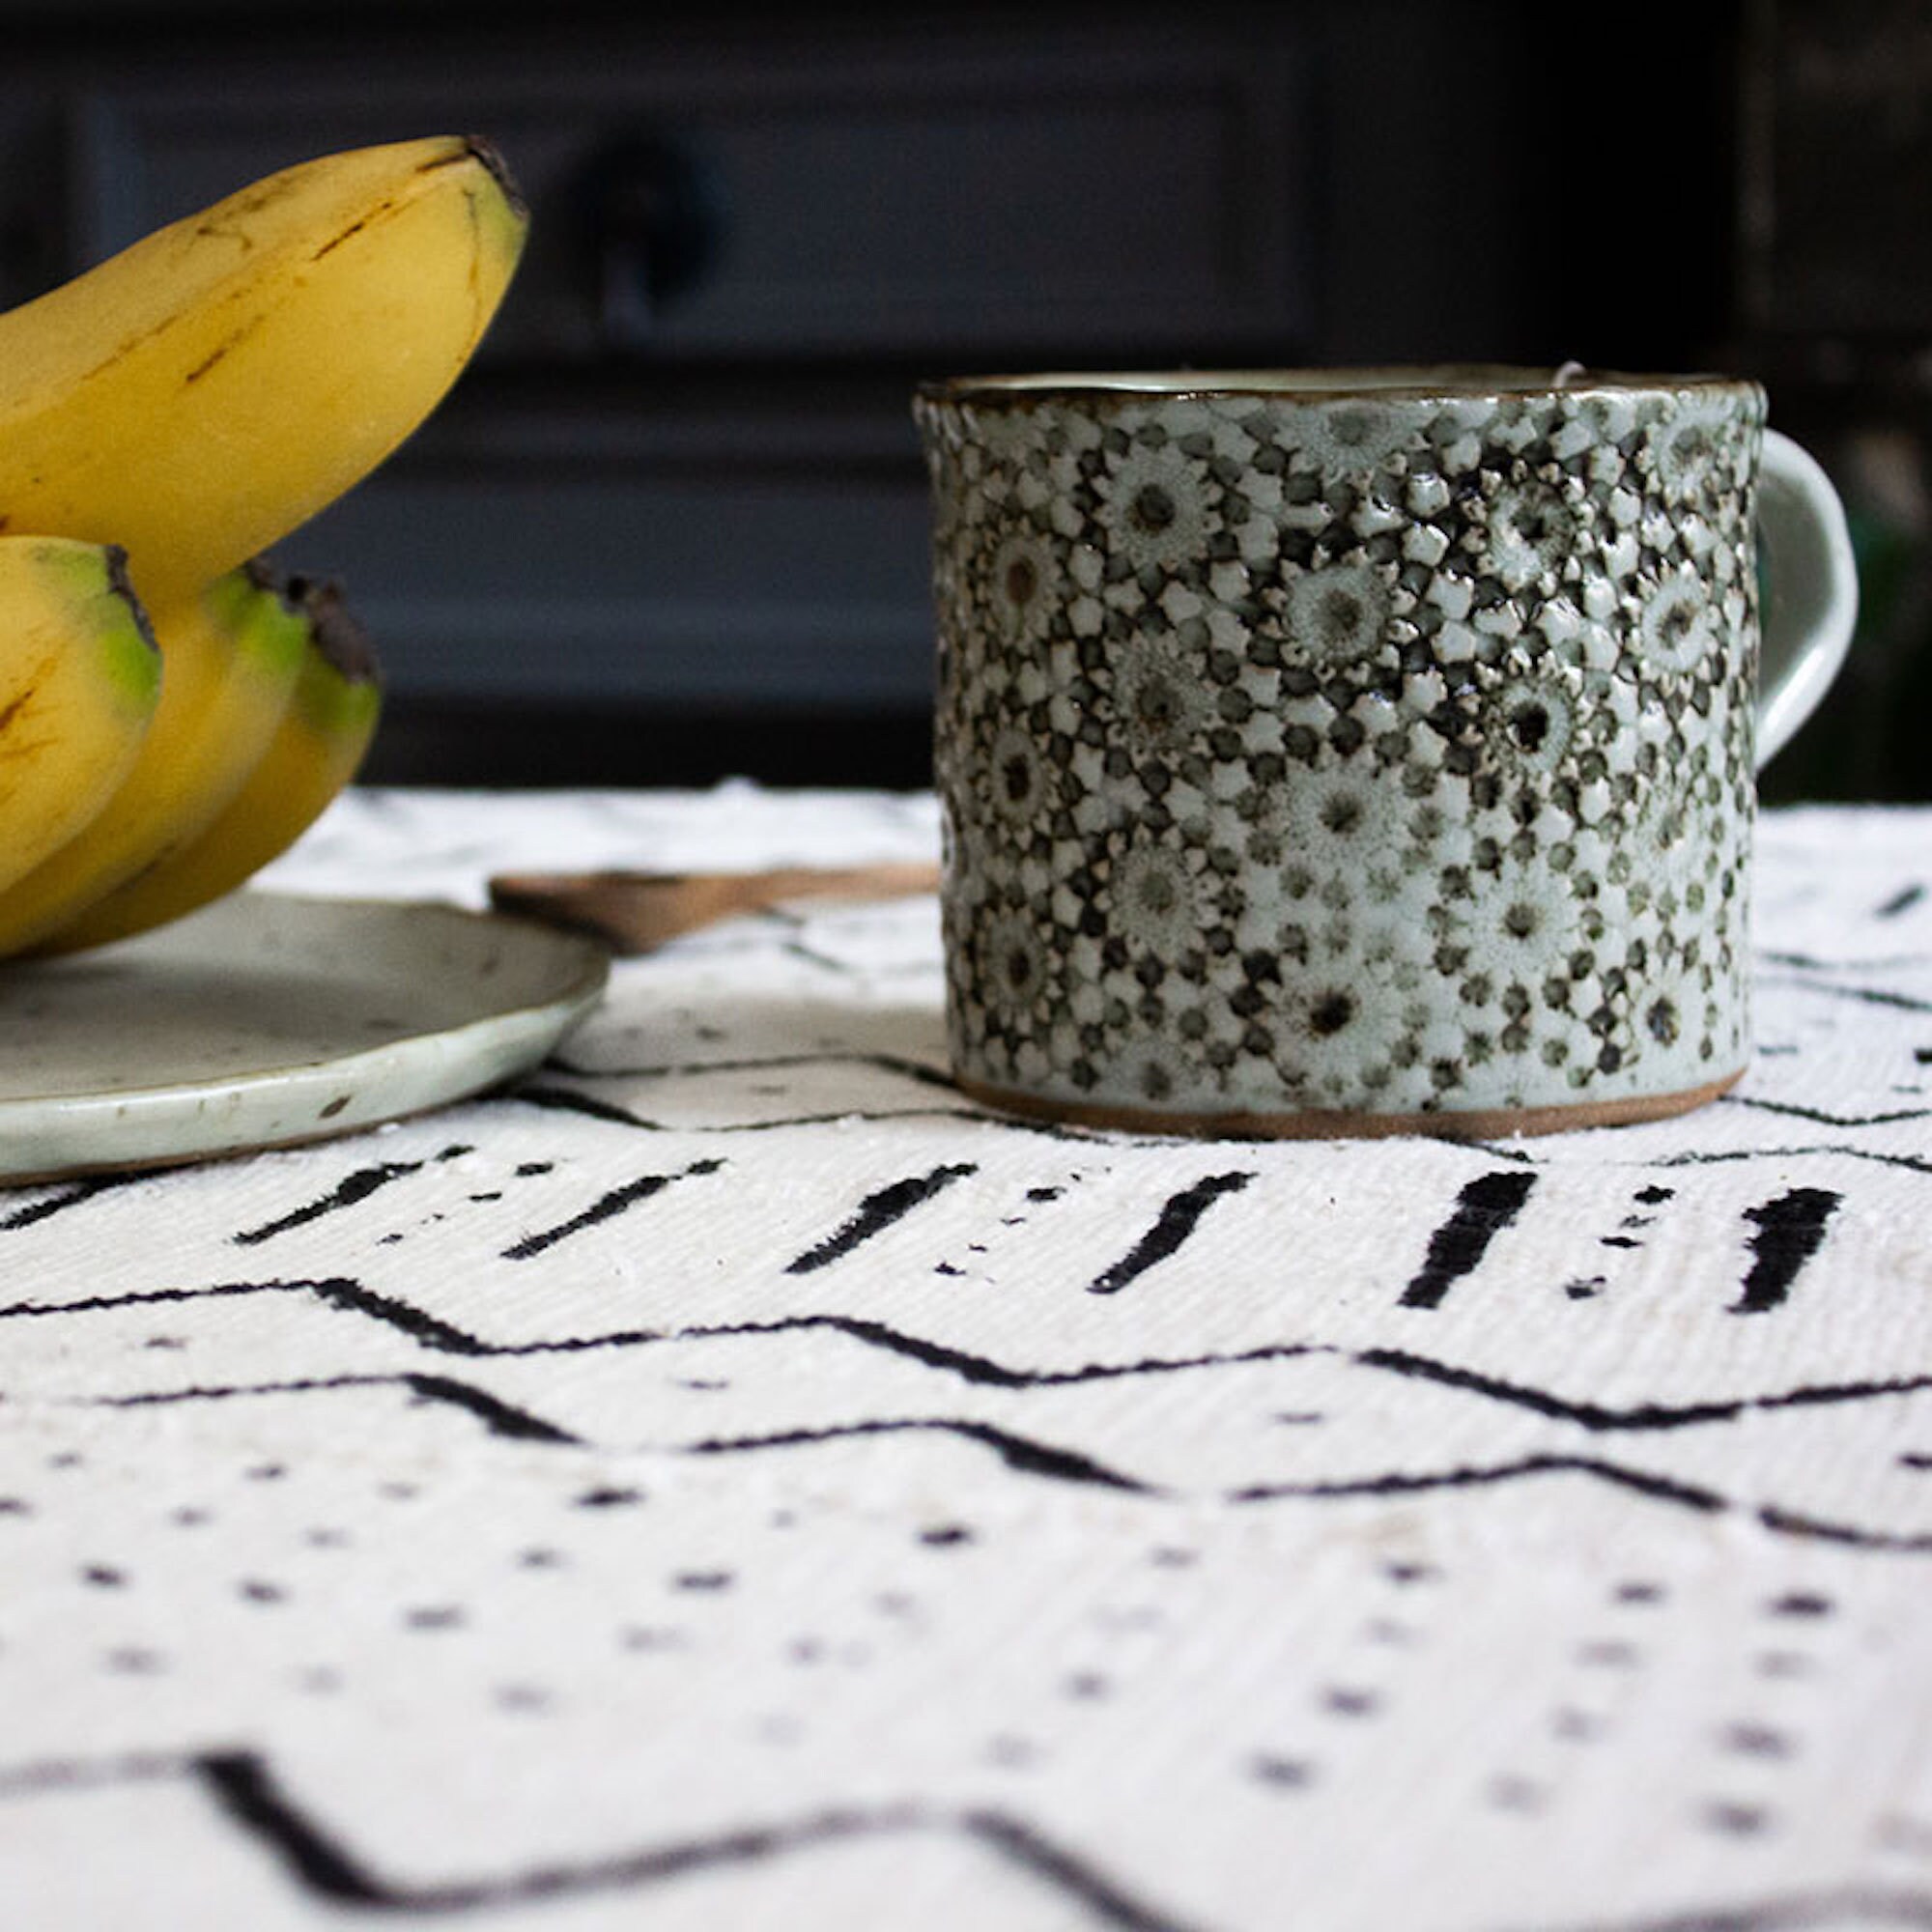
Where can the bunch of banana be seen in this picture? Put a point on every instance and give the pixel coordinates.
(276, 702)
(171, 715)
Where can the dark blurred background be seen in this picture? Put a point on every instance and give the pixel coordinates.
(671, 524)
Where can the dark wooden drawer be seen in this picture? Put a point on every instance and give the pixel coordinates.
(912, 192)
(714, 496)
(682, 475)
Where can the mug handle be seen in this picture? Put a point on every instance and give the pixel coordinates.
(1810, 590)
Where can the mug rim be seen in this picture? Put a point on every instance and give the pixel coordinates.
(1401, 383)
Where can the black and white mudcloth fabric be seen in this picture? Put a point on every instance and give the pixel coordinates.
(732, 1482)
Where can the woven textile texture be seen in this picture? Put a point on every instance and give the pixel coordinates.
(732, 1481)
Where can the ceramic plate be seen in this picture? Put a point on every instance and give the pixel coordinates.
(271, 1019)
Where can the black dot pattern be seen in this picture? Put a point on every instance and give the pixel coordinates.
(1236, 1533)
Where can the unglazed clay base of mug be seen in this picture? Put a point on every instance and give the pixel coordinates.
(1486, 1123)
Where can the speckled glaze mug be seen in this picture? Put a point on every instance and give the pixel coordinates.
(1364, 750)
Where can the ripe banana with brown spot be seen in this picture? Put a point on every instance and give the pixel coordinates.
(229, 658)
(200, 394)
(318, 745)
(79, 681)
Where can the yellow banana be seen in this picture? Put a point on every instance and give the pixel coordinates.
(320, 743)
(229, 663)
(203, 393)
(79, 680)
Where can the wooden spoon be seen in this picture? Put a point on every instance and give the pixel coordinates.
(636, 912)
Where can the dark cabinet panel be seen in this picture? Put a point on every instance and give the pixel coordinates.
(681, 478)
(680, 485)
(650, 585)
(945, 192)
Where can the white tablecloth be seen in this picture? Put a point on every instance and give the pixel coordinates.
(730, 1481)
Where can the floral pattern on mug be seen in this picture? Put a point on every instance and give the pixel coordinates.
(1378, 754)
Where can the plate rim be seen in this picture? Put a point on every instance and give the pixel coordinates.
(162, 1123)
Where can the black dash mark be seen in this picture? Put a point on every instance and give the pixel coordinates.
(351, 1189)
(1177, 1220)
(603, 1208)
(1483, 1208)
(68, 1197)
(497, 1417)
(1790, 1230)
(876, 1213)
(1900, 902)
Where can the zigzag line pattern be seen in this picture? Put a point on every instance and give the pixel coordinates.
(1027, 1454)
(245, 1789)
(976, 1367)
(683, 1415)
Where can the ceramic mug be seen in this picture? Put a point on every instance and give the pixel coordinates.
(1363, 750)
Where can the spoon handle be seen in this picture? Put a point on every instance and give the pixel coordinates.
(636, 912)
